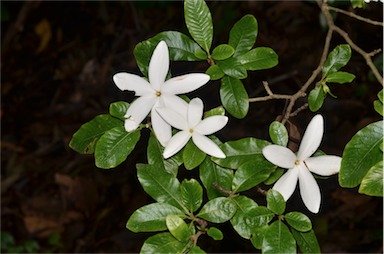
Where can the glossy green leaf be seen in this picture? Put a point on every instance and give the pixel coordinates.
(274, 176)
(199, 22)
(275, 202)
(192, 155)
(306, 241)
(222, 52)
(250, 174)
(163, 243)
(360, 154)
(119, 109)
(358, 3)
(84, 140)
(212, 174)
(215, 72)
(298, 221)
(201, 54)
(151, 218)
(232, 68)
(218, 111)
(340, 77)
(178, 228)
(372, 183)
(191, 194)
(260, 58)
(234, 97)
(241, 151)
(378, 104)
(243, 34)
(278, 133)
(239, 220)
(278, 239)
(114, 147)
(215, 233)
(338, 58)
(160, 185)
(316, 98)
(196, 250)
(258, 236)
(218, 210)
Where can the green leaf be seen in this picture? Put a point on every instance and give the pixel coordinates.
(178, 228)
(151, 218)
(114, 147)
(118, 109)
(378, 104)
(275, 175)
(163, 243)
(160, 185)
(199, 22)
(358, 3)
(298, 221)
(340, 77)
(306, 241)
(192, 155)
(250, 174)
(338, 58)
(372, 183)
(243, 34)
(278, 239)
(239, 221)
(316, 98)
(258, 236)
(278, 133)
(196, 250)
(211, 175)
(234, 97)
(232, 68)
(214, 72)
(215, 233)
(201, 54)
(84, 140)
(275, 202)
(260, 58)
(218, 111)
(218, 210)
(240, 151)
(222, 52)
(360, 154)
(191, 194)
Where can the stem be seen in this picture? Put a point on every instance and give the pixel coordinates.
(353, 15)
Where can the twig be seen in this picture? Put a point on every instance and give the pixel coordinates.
(353, 15)
(299, 110)
(271, 95)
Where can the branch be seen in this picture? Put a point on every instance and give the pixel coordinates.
(353, 15)
(271, 95)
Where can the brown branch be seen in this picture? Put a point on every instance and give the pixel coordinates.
(353, 15)
(271, 95)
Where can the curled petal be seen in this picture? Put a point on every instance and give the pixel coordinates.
(185, 83)
(280, 156)
(211, 125)
(126, 81)
(130, 125)
(176, 143)
(173, 118)
(309, 190)
(162, 129)
(324, 165)
(158, 66)
(140, 108)
(195, 112)
(286, 185)
(312, 138)
(207, 146)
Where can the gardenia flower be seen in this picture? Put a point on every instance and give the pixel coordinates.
(299, 166)
(156, 92)
(190, 123)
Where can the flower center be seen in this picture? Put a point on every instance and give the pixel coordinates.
(297, 162)
(158, 93)
(191, 131)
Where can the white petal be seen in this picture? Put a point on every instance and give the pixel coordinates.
(312, 138)
(286, 185)
(185, 83)
(158, 66)
(324, 165)
(126, 81)
(280, 156)
(195, 112)
(176, 103)
(140, 108)
(309, 190)
(162, 129)
(207, 146)
(211, 125)
(130, 125)
(176, 143)
(173, 118)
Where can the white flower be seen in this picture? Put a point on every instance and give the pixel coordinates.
(299, 166)
(188, 120)
(156, 92)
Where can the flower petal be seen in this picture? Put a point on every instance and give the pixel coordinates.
(140, 108)
(130, 125)
(173, 118)
(312, 138)
(162, 129)
(280, 156)
(211, 125)
(174, 102)
(286, 185)
(176, 143)
(185, 83)
(207, 146)
(324, 165)
(126, 81)
(195, 112)
(159, 66)
(309, 190)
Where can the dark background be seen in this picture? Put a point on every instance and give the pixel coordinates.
(57, 63)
